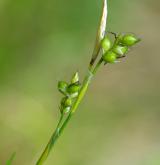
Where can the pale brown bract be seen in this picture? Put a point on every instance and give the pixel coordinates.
(100, 32)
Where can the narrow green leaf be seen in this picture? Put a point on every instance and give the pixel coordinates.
(9, 162)
(100, 32)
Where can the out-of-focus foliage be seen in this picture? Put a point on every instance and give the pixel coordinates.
(10, 160)
(42, 42)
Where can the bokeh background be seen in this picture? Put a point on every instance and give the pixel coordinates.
(41, 42)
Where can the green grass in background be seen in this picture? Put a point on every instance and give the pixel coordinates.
(42, 42)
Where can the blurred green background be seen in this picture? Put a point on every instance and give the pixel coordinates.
(41, 42)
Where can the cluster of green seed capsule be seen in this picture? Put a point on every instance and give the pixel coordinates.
(70, 92)
(119, 48)
(111, 53)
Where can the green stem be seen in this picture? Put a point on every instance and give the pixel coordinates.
(59, 129)
(51, 143)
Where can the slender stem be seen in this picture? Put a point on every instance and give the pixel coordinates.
(51, 143)
(60, 126)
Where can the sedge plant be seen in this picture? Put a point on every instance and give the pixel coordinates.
(105, 52)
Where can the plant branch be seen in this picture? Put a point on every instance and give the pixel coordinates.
(62, 125)
(74, 92)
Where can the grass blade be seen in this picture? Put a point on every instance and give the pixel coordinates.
(9, 162)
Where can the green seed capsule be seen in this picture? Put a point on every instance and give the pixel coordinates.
(73, 88)
(129, 40)
(65, 110)
(62, 87)
(106, 44)
(66, 102)
(74, 95)
(110, 57)
(120, 50)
